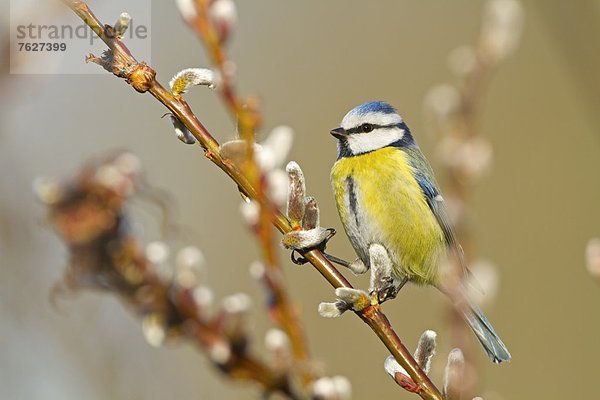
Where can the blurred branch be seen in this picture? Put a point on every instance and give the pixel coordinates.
(142, 78)
(88, 213)
(247, 115)
(464, 153)
(198, 18)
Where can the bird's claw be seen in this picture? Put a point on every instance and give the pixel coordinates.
(387, 291)
(297, 258)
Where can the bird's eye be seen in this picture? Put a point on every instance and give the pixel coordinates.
(366, 128)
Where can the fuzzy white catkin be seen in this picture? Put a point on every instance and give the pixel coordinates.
(203, 296)
(426, 350)
(442, 100)
(223, 15)
(329, 310)
(223, 12)
(181, 131)
(392, 367)
(276, 339)
(299, 240)
(474, 157)
(462, 60)
(257, 270)
(502, 26)
(237, 303)
(296, 193)
(324, 388)
(592, 255)
(350, 295)
(153, 330)
(219, 352)
(343, 387)
(189, 77)
(277, 186)
(250, 211)
(188, 263)
(157, 252)
(122, 24)
(47, 190)
(454, 373)
(109, 175)
(236, 151)
(187, 8)
(312, 218)
(276, 147)
(128, 163)
(189, 257)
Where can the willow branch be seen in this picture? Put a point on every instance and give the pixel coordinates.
(201, 24)
(247, 115)
(141, 77)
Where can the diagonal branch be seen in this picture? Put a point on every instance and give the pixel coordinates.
(141, 77)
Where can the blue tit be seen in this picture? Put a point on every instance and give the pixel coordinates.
(386, 194)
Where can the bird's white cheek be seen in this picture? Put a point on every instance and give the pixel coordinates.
(365, 142)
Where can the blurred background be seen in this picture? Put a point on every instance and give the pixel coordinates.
(309, 62)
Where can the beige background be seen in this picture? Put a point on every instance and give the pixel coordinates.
(309, 62)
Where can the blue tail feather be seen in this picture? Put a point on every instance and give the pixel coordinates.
(486, 334)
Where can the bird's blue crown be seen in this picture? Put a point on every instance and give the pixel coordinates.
(374, 107)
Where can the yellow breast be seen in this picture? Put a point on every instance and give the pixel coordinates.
(379, 201)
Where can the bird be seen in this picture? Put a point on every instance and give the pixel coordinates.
(386, 195)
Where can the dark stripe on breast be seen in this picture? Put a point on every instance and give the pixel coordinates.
(352, 198)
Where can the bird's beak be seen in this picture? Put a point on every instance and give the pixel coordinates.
(339, 133)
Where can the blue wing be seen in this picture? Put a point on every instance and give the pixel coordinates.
(438, 208)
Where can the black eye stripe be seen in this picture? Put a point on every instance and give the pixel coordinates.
(359, 129)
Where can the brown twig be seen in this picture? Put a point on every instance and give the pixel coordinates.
(372, 315)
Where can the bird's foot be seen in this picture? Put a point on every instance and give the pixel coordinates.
(385, 292)
(387, 289)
